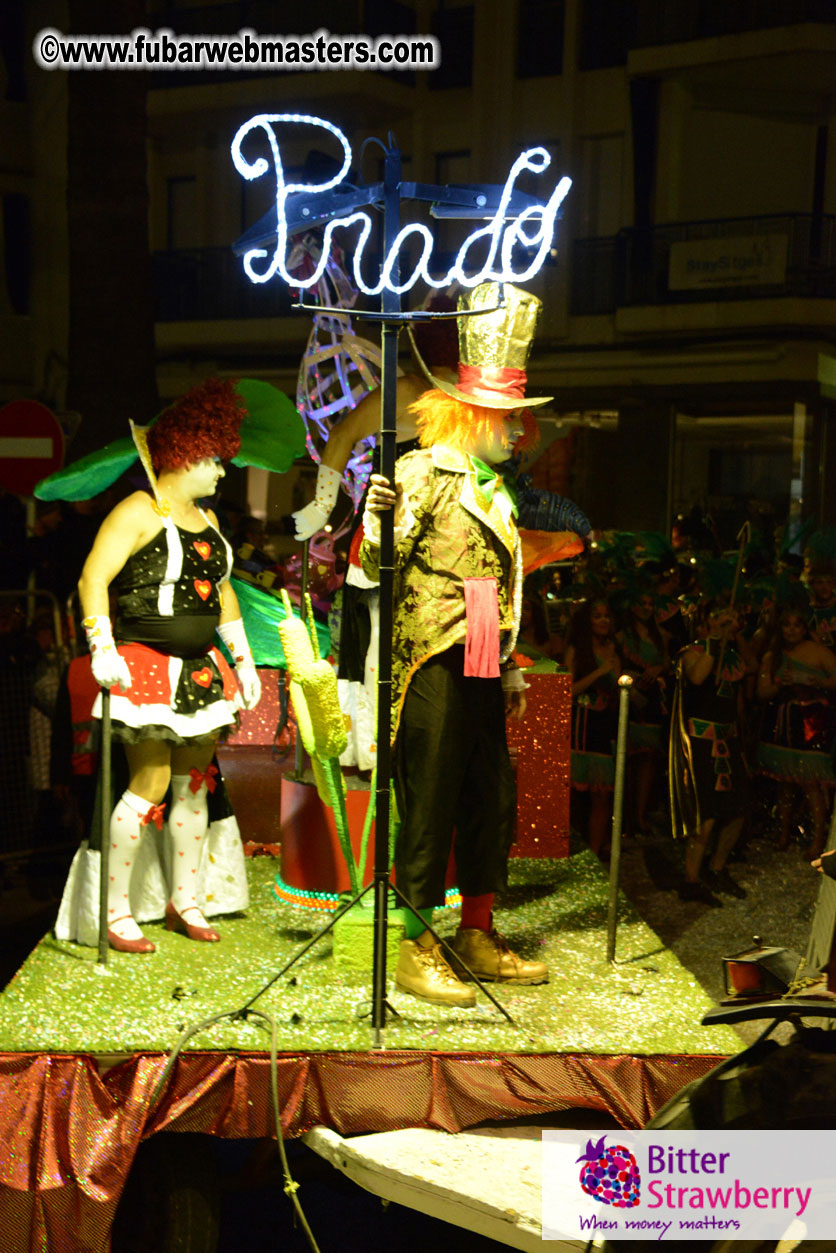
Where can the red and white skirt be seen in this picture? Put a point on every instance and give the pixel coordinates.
(182, 700)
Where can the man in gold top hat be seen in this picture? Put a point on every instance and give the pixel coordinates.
(457, 596)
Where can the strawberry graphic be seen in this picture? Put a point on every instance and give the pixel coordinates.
(610, 1174)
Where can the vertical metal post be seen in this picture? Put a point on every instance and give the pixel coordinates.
(391, 303)
(105, 799)
(624, 684)
(303, 614)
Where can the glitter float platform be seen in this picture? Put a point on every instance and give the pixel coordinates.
(82, 1047)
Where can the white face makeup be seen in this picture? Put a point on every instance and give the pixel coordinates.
(497, 444)
(202, 478)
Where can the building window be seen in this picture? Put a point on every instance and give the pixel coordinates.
(17, 250)
(183, 228)
(597, 191)
(453, 27)
(540, 38)
(607, 32)
(13, 49)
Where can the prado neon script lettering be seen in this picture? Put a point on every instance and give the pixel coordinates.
(533, 228)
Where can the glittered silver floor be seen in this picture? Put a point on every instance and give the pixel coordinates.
(646, 1002)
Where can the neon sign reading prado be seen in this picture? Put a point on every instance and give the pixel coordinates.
(533, 228)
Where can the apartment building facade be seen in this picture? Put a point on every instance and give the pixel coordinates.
(688, 334)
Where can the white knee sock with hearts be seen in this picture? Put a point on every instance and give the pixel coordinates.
(125, 833)
(188, 822)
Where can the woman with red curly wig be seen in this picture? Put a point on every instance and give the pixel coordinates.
(172, 691)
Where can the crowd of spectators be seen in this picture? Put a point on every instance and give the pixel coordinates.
(732, 719)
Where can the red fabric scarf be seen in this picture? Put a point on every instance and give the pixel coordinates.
(481, 645)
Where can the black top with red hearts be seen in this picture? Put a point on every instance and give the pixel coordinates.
(168, 591)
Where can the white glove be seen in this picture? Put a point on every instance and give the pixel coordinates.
(235, 638)
(109, 668)
(314, 516)
(250, 685)
(403, 523)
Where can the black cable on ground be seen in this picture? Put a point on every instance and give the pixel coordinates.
(291, 1187)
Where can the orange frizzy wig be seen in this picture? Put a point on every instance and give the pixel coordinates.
(442, 419)
(199, 426)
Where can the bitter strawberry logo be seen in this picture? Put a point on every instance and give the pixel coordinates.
(610, 1174)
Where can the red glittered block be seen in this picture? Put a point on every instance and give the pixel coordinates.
(541, 745)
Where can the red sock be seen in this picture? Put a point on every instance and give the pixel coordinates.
(476, 911)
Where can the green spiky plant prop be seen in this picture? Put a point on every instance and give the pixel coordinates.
(319, 719)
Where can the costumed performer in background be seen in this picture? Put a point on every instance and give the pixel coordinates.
(435, 354)
(708, 777)
(796, 676)
(172, 691)
(457, 596)
(359, 610)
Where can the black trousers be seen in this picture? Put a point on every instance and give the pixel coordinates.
(452, 774)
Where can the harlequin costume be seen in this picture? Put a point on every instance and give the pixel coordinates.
(706, 758)
(457, 595)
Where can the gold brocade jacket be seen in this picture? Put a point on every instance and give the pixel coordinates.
(452, 533)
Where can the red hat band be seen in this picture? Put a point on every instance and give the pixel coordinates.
(493, 382)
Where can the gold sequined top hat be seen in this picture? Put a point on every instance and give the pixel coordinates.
(494, 348)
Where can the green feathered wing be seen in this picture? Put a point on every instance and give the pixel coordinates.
(272, 437)
(262, 612)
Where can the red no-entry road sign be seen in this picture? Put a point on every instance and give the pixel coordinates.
(31, 445)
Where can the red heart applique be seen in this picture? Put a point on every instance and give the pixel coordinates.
(203, 587)
(202, 548)
(203, 677)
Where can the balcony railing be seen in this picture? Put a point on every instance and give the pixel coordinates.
(692, 262)
(209, 284)
(660, 22)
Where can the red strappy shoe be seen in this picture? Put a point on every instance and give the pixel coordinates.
(118, 942)
(176, 922)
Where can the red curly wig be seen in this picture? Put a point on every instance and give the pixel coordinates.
(200, 425)
(442, 419)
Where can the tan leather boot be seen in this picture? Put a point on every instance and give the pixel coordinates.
(425, 972)
(488, 956)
